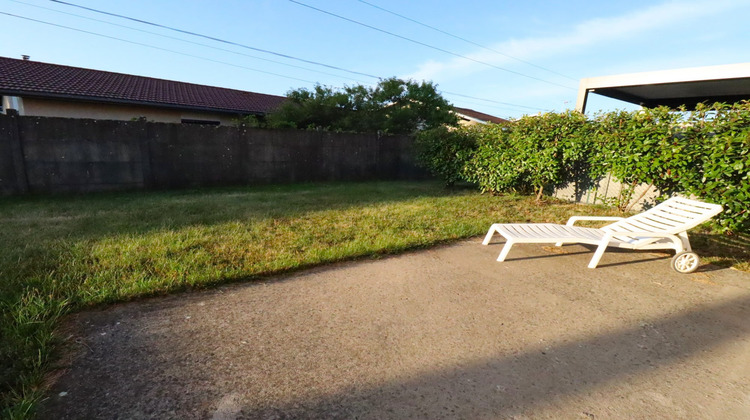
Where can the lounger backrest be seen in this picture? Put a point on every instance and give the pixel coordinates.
(674, 216)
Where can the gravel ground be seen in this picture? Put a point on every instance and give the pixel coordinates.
(442, 333)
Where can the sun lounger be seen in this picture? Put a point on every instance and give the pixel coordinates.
(662, 227)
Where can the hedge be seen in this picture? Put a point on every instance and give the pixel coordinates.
(704, 152)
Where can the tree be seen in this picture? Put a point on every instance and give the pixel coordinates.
(394, 106)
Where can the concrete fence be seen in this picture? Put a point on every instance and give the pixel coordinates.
(49, 155)
(609, 191)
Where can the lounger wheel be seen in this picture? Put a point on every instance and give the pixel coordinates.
(685, 262)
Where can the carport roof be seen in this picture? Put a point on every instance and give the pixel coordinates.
(689, 86)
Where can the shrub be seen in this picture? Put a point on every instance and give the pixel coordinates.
(719, 161)
(705, 153)
(444, 152)
(494, 166)
(534, 153)
(641, 148)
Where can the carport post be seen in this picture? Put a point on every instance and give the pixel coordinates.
(583, 96)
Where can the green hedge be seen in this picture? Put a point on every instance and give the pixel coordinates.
(704, 152)
(533, 153)
(444, 152)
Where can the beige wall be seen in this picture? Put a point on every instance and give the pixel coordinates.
(466, 123)
(57, 108)
(607, 191)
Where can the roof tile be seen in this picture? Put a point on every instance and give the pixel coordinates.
(25, 77)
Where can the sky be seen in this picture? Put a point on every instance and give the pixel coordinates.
(502, 58)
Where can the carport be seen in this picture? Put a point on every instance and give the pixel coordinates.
(673, 88)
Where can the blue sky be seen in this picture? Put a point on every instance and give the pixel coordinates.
(523, 57)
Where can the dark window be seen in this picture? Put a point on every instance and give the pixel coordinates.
(203, 122)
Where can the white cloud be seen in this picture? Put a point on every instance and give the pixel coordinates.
(583, 35)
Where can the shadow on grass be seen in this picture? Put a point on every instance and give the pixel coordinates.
(95, 216)
(721, 246)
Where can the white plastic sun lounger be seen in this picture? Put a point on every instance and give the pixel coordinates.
(662, 227)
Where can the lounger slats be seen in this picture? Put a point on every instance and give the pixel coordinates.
(641, 225)
(679, 217)
(672, 216)
(660, 221)
(650, 224)
(689, 202)
(544, 231)
(646, 224)
(687, 207)
(667, 216)
(533, 231)
(625, 227)
(688, 213)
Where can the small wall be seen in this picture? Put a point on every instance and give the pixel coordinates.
(48, 155)
(607, 191)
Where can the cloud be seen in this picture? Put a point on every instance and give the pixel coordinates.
(583, 35)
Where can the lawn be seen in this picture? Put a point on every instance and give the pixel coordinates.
(62, 254)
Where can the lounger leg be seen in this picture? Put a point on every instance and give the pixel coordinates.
(488, 237)
(685, 241)
(506, 249)
(599, 251)
(597, 255)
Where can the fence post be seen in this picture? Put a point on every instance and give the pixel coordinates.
(144, 144)
(16, 152)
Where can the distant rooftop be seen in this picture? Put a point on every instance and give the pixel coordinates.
(479, 115)
(36, 79)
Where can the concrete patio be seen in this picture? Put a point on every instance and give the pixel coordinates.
(441, 333)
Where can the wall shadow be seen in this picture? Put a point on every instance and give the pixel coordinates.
(503, 386)
(510, 385)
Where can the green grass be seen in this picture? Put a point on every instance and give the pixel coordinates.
(62, 254)
(722, 250)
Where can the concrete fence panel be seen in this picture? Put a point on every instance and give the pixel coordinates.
(49, 155)
(69, 155)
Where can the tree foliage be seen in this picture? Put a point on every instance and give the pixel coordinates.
(394, 106)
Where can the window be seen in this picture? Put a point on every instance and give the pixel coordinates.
(202, 122)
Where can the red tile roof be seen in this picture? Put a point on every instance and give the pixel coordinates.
(32, 78)
(479, 115)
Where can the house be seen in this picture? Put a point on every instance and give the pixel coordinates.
(43, 89)
(468, 116)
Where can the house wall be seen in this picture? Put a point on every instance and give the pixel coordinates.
(467, 122)
(50, 155)
(100, 111)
